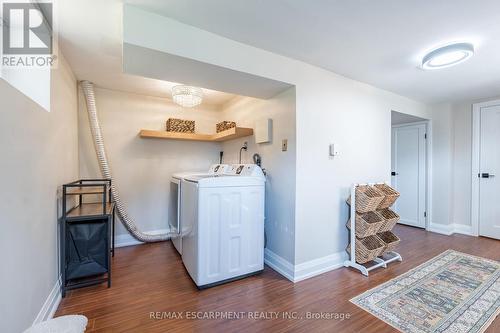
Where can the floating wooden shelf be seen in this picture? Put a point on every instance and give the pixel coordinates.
(233, 133)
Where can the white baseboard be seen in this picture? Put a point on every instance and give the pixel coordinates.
(306, 270)
(129, 240)
(51, 304)
(449, 229)
(444, 229)
(279, 264)
(463, 229)
(319, 266)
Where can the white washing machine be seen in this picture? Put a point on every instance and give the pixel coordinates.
(223, 217)
(175, 204)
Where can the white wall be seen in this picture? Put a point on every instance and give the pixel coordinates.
(357, 117)
(329, 109)
(462, 162)
(142, 168)
(279, 165)
(442, 160)
(39, 152)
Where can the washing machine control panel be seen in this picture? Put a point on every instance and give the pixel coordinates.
(249, 170)
(218, 169)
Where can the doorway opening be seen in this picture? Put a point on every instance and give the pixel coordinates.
(410, 168)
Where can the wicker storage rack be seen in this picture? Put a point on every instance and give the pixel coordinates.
(367, 248)
(371, 238)
(391, 195)
(180, 125)
(390, 240)
(390, 219)
(368, 198)
(224, 126)
(367, 224)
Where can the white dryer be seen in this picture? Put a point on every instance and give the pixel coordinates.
(175, 204)
(223, 217)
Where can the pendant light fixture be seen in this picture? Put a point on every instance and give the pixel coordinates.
(187, 96)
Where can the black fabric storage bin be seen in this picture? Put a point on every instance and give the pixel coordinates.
(87, 248)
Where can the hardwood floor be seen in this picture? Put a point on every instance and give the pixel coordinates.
(151, 278)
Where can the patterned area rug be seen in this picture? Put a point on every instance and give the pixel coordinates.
(453, 292)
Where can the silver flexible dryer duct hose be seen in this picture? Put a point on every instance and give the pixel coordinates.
(95, 128)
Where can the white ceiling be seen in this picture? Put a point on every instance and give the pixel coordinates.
(90, 37)
(378, 42)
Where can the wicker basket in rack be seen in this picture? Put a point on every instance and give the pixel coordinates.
(390, 240)
(391, 195)
(224, 126)
(367, 248)
(368, 198)
(180, 125)
(390, 219)
(367, 224)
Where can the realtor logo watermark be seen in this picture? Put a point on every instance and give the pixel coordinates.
(28, 34)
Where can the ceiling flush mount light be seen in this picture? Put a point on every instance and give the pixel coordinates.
(448, 55)
(187, 96)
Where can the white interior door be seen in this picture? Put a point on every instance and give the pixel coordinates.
(489, 172)
(409, 172)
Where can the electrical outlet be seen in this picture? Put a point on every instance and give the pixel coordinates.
(284, 145)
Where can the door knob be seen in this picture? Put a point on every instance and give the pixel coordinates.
(393, 173)
(486, 175)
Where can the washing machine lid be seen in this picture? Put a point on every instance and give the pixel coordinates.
(225, 180)
(182, 175)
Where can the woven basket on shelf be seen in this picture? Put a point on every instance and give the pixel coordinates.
(367, 224)
(391, 195)
(368, 198)
(390, 219)
(224, 126)
(390, 240)
(367, 248)
(180, 125)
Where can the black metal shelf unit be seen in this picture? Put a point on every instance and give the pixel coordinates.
(87, 235)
